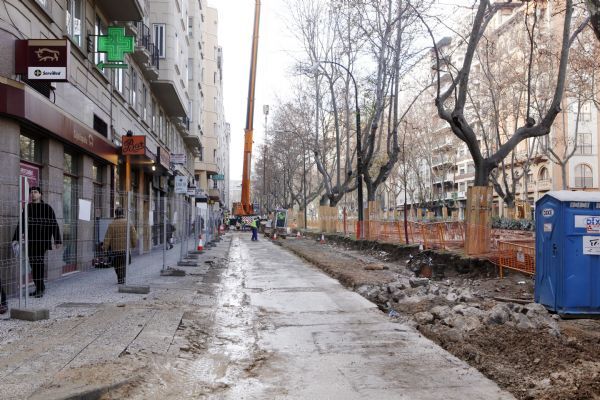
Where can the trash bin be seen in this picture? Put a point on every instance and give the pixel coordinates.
(567, 248)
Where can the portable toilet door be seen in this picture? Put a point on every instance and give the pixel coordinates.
(548, 250)
(568, 252)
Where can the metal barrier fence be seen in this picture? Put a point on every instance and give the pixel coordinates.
(508, 249)
(50, 232)
(516, 256)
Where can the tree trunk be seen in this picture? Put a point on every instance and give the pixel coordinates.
(478, 221)
(563, 174)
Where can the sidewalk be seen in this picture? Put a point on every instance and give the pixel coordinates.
(91, 323)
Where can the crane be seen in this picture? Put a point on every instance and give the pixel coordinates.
(245, 208)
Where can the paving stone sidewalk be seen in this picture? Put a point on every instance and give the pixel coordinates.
(91, 323)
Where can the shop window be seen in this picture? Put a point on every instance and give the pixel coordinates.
(70, 164)
(30, 149)
(74, 18)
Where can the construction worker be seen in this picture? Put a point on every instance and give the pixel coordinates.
(254, 227)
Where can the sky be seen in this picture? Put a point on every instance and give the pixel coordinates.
(278, 51)
(275, 59)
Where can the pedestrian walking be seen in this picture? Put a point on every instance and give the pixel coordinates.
(170, 230)
(254, 227)
(41, 229)
(115, 242)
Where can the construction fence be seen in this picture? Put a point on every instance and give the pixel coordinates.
(508, 249)
(51, 232)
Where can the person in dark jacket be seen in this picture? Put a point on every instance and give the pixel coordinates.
(41, 229)
(170, 230)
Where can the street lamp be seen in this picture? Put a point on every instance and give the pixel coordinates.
(359, 185)
(266, 112)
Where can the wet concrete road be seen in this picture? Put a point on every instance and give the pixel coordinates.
(283, 329)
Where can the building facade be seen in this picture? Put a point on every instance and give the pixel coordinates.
(442, 170)
(100, 130)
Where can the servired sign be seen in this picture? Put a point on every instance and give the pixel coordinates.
(133, 145)
(43, 59)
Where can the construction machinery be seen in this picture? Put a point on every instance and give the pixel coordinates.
(245, 208)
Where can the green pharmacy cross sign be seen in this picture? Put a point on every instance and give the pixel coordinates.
(115, 45)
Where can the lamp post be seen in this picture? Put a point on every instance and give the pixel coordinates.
(266, 112)
(358, 146)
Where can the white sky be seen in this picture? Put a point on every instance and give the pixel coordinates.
(277, 52)
(236, 18)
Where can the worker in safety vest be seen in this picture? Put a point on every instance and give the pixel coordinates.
(254, 227)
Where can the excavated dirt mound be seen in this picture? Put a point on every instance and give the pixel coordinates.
(532, 363)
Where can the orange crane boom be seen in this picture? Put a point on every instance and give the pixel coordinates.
(245, 206)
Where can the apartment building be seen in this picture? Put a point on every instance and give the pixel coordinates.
(445, 169)
(212, 166)
(73, 133)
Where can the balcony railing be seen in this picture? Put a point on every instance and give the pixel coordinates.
(147, 51)
(544, 184)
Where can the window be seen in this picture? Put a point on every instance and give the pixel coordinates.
(100, 126)
(215, 129)
(584, 143)
(70, 164)
(30, 149)
(583, 176)
(46, 5)
(144, 102)
(161, 126)
(191, 111)
(585, 113)
(214, 155)
(74, 15)
(191, 27)
(190, 69)
(214, 77)
(159, 39)
(133, 89)
(153, 116)
(543, 174)
(99, 29)
(215, 104)
(118, 79)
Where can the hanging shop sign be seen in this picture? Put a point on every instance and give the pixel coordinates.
(178, 158)
(181, 185)
(164, 157)
(133, 145)
(43, 59)
(115, 44)
(191, 191)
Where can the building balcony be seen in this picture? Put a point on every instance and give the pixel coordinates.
(544, 184)
(166, 93)
(208, 168)
(121, 10)
(145, 54)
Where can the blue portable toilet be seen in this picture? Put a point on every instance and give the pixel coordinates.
(567, 252)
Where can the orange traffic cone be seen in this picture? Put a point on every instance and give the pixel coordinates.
(274, 235)
(200, 244)
(298, 234)
(322, 238)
